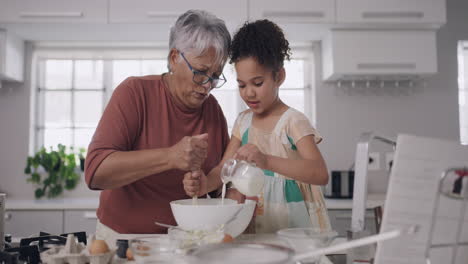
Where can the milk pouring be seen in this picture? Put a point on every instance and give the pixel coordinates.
(2, 221)
(247, 178)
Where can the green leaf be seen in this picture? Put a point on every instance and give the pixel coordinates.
(60, 166)
(47, 181)
(35, 177)
(39, 193)
(70, 184)
(55, 191)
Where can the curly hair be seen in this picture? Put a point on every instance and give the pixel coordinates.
(262, 40)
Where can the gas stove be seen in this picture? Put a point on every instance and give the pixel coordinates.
(28, 250)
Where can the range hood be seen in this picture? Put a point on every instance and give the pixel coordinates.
(381, 55)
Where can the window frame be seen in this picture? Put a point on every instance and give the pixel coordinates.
(462, 56)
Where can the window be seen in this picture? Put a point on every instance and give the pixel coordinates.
(73, 89)
(463, 90)
(72, 94)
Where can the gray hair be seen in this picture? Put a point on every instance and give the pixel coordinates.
(196, 31)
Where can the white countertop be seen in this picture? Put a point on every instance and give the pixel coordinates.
(248, 238)
(53, 204)
(373, 200)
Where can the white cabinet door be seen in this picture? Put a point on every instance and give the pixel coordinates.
(158, 11)
(23, 223)
(293, 11)
(379, 52)
(80, 220)
(11, 57)
(391, 11)
(53, 11)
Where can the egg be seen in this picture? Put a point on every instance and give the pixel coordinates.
(129, 254)
(98, 246)
(227, 238)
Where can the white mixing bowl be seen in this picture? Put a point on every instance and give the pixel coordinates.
(210, 214)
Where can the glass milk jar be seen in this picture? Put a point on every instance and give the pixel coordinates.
(247, 178)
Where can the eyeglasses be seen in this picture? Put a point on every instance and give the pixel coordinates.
(202, 78)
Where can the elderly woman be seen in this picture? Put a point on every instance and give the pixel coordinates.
(158, 129)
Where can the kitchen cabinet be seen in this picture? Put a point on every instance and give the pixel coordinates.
(158, 11)
(293, 11)
(79, 220)
(53, 11)
(395, 53)
(391, 12)
(11, 57)
(341, 221)
(23, 223)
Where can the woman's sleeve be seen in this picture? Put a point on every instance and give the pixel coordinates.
(117, 130)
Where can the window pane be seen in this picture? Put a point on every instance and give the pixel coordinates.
(122, 69)
(88, 74)
(53, 137)
(57, 108)
(227, 99)
(58, 74)
(294, 74)
(88, 108)
(153, 67)
(83, 137)
(293, 98)
(230, 74)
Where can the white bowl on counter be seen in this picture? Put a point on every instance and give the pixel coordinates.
(211, 214)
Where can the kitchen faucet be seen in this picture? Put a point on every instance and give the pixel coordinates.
(360, 178)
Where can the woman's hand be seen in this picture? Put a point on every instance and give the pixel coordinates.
(251, 153)
(234, 194)
(195, 183)
(189, 153)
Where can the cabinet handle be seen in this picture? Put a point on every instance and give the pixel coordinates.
(165, 15)
(51, 14)
(7, 216)
(286, 14)
(90, 215)
(386, 66)
(392, 14)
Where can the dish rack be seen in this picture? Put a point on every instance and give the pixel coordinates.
(459, 192)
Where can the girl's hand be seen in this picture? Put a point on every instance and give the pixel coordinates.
(251, 153)
(234, 194)
(195, 183)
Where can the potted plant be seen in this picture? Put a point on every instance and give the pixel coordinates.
(54, 170)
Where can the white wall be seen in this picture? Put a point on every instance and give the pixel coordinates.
(14, 139)
(341, 116)
(425, 111)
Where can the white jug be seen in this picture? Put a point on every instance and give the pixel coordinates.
(247, 178)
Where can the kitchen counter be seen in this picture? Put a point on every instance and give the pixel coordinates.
(53, 204)
(250, 238)
(373, 200)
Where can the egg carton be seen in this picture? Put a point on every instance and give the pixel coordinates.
(74, 253)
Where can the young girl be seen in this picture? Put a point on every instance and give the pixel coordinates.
(277, 138)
